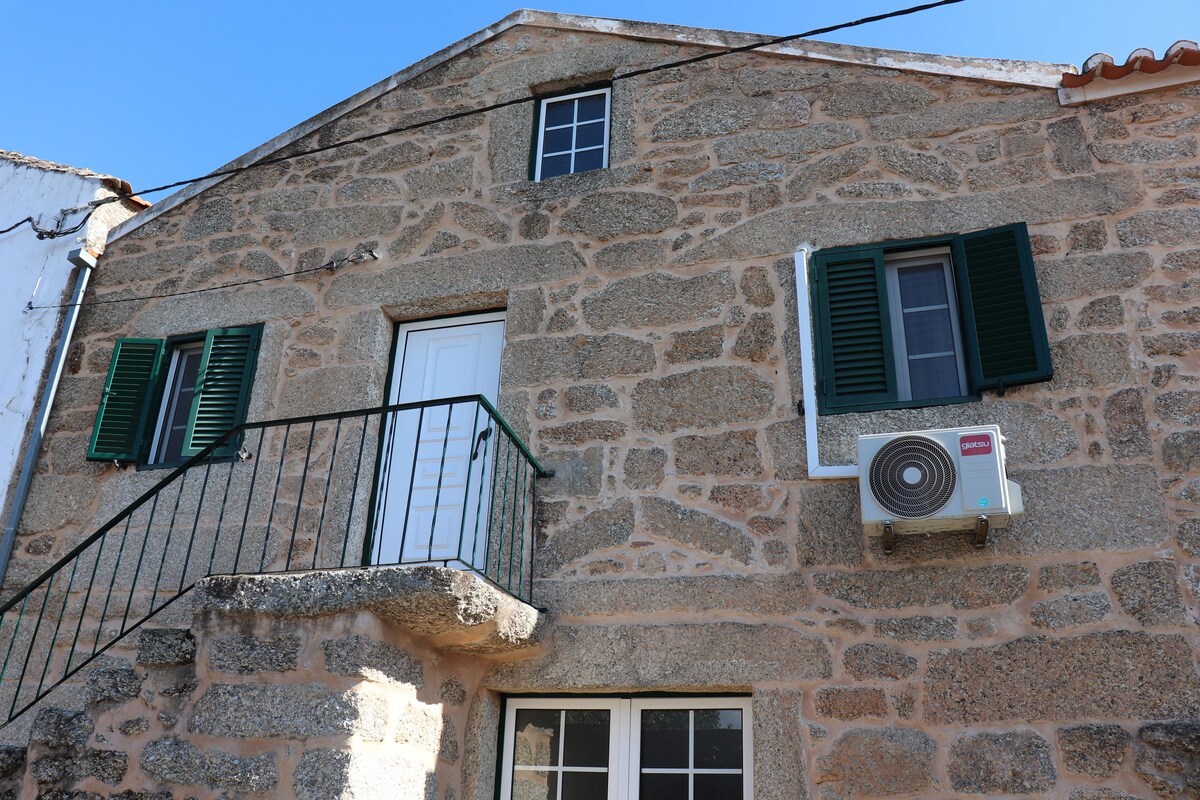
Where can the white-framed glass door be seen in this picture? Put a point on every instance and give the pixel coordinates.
(432, 502)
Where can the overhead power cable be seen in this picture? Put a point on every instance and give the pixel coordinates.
(414, 126)
(266, 162)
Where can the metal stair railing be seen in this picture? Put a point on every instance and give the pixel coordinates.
(441, 481)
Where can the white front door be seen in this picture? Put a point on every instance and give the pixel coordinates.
(433, 478)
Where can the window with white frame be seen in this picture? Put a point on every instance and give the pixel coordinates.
(925, 332)
(606, 748)
(572, 133)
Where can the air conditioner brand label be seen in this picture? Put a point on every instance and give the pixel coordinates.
(976, 444)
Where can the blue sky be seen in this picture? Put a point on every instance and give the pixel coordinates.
(156, 92)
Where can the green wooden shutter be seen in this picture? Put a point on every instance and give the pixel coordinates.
(222, 388)
(125, 405)
(1001, 308)
(855, 364)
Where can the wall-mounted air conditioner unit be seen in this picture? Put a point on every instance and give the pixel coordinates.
(942, 480)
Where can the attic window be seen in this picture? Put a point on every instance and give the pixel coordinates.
(572, 133)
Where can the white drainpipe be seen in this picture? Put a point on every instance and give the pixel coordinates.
(84, 260)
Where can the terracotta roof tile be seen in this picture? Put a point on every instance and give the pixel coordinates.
(1184, 53)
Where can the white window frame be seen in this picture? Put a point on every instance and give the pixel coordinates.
(624, 767)
(892, 264)
(606, 92)
(170, 399)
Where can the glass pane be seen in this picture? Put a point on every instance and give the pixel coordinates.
(585, 743)
(718, 787)
(664, 787)
(718, 739)
(922, 286)
(556, 165)
(560, 113)
(557, 141)
(591, 107)
(664, 739)
(590, 135)
(589, 160)
(533, 785)
(536, 737)
(928, 332)
(179, 399)
(584, 785)
(934, 377)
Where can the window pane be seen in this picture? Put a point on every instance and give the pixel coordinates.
(536, 737)
(585, 786)
(718, 739)
(532, 785)
(589, 160)
(928, 332)
(664, 739)
(718, 787)
(556, 165)
(557, 141)
(585, 743)
(590, 135)
(560, 113)
(178, 399)
(922, 286)
(664, 787)
(591, 107)
(934, 377)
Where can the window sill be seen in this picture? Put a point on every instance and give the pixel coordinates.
(866, 408)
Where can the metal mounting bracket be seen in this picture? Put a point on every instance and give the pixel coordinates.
(889, 538)
(979, 537)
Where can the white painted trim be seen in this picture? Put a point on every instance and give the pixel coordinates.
(808, 377)
(1103, 89)
(607, 93)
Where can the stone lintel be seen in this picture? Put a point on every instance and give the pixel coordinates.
(454, 609)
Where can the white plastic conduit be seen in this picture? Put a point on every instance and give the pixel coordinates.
(808, 369)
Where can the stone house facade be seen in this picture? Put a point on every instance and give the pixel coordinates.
(686, 558)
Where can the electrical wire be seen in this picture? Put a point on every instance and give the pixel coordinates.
(266, 162)
(331, 265)
(52, 234)
(58, 231)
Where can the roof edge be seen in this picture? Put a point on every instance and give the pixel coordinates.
(1025, 73)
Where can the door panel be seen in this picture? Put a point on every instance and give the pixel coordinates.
(433, 500)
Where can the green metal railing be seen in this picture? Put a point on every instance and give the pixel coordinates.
(441, 481)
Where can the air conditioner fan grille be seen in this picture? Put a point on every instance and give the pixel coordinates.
(912, 477)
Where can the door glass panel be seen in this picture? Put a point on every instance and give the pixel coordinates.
(585, 786)
(718, 739)
(586, 738)
(536, 737)
(654, 786)
(923, 286)
(933, 377)
(557, 140)
(590, 135)
(664, 738)
(717, 787)
(928, 331)
(556, 165)
(534, 785)
(591, 107)
(588, 160)
(560, 113)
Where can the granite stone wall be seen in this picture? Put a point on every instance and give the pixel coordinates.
(652, 360)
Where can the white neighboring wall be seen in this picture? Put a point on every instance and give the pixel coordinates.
(37, 271)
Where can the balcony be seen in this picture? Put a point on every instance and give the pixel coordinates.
(444, 482)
